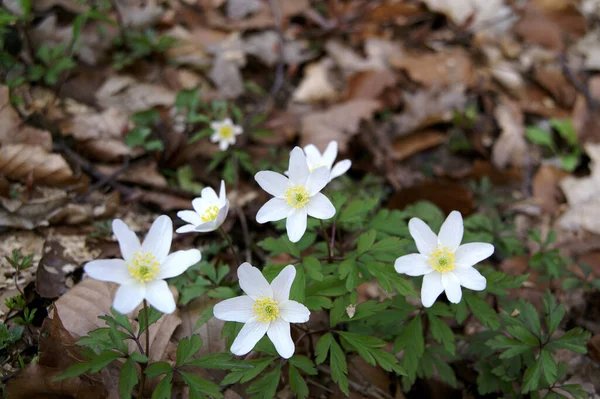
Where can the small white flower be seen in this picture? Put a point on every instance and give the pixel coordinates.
(144, 267)
(224, 133)
(445, 264)
(265, 309)
(296, 197)
(209, 211)
(315, 159)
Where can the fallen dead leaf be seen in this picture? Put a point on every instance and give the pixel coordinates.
(52, 270)
(546, 191)
(190, 49)
(239, 9)
(340, 122)
(478, 15)
(429, 107)
(264, 46)
(229, 57)
(406, 146)
(377, 51)
(510, 148)
(14, 130)
(129, 95)
(442, 68)
(370, 84)
(586, 119)
(260, 20)
(551, 78)
(446, 194)
(145, 174)
(136, 14)
(316, 86)
(18, 161)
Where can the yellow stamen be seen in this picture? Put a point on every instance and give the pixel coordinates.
(442, 260)
(265, 310)
(143, 266)
(226, 132)
(296, 196)
(210, 213)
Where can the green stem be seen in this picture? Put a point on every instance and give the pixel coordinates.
(230, 243)
(327, 241)
(143, 367)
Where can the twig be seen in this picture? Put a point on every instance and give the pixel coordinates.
(106, 180)
(367, 389)
(323, 387)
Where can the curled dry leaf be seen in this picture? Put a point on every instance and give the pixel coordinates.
(139, 14)
(190, 49)
(14, 130)
(129, 95)
(239, 9)
(479, 15)
(370, 84)
(145, 174)
(225, 72)
(18, 161)
(510, 148)
(52, 270)
(436, 69)
(316, 85)
(406, 146)
(586, 119)
(377, 51)
(261, 20)
(545, 187)
(340, 122)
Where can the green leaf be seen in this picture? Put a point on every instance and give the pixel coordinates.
(549, 368)
(153, 316)
(128, 379)
(266, 386)
(102, 360)
(337, 310)
(304, 364)
(317, 303)
(246, 375)
(554, 314)
(565, 129)
(413, 343)
(339, 367)
(200, 385)
(313, 268)
(138, 357)
(323, 347)
(523, 335)
(441, 332)
(484, 312)
(220, 361)
(163, 389)
(531, 379)
(445, 372)
(205, 316)
(574, 340)
(512, 346)
(330, 286)
(157, 368)
(187, 348)
(368, 348)
(73, 371)
(539, 136)
(365, 241)
(388, 244)
(297, 383)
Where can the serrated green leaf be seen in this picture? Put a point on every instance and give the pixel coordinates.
(365, 241)
(163, 389)
(266, 386)
(304, 364)
(187, 348)
(200, 385)
(339, 367)
(549, 369)
(313, 268)
(157, 368)
(539, 136)
(441, 332)
(322, 348)
(531, 379)
(220, 361)
(128, 379)
(73, 371)
(297, 383)
(484, 312)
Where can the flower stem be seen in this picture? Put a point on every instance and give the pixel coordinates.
(147, 353)
(231, 247)
(328, 242)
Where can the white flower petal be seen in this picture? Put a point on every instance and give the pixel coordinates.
(279, 333)
(320, 207)
(451, 285)
(451, 232)
(425, 239)
(317, 180)
(472, 253)
(296, 224)
(190, 217)
(431, 289)
(470, 278)
(199, 205)
(113, 270)
(158, 240)
(340, 168)
(160, 296)
(253, 283)
(128, 241)
(237, 309)
(223, 145)
(330, 153)
(216, 125)
(282, 283)
(293, 312)
(273, 210)
(272, 182)
(237, 130)
(222, 215)
(128, 297)
(227, 122)
(248, 337)
(178, 262)
(222, 193)
(188, 228)
(215, 137)
(413, 265)
(206, 227)
(298, 167)
(313, 156)
(209, 195)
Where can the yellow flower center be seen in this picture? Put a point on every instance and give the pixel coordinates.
(210, 213)
(226, 131)
(442, 260)
(265, 310)
(296, 196)
(143, 266)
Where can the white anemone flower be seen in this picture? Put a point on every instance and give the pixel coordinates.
(444, 264)
(224, 133)
(296, 197)
(209, 211)
(265, 309)
(315, 159)
(144, 267)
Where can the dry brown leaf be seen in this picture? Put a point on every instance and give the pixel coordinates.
(436, 69)
(18, 161)
(139, 14)
(261, 20)
(377, 51)
(129, 95)
(370, 84)
(446, 194)
(406, 146)
(191, 45)
(14, 131)
(76, 7)
(52, 270)
(545, 187)
(209, 331)
(316, 85)
(340, 122)
(80, 307)
(429, 107)
(145, 174)
(510, 148)
(239, 9)
(586, 120)
(264, 46)
(477, 14)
